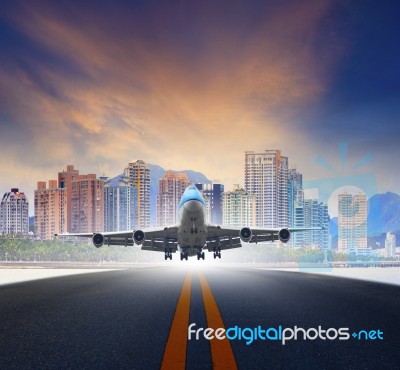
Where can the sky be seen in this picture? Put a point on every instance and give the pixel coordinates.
(194, 84)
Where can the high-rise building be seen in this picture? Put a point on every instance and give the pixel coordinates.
(323, 221)
(295, 193)
(65, 182)
(14, 213)
(214, 193)
(315, 215)
(87, 208)
(239, 208)
(297, 239)
(352, 223)
(207, 202)
(73, 204)
(120, 206)
(170, 190)
(390, 245)
(266, 176)
(296, 206)
(50, 210)
(139, 175)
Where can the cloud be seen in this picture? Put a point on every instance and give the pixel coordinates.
(183, 86)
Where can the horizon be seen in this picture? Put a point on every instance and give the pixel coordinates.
(332, 216)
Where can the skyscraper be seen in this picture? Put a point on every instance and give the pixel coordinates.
(214, 193)
(266, 176)
(170, 190)
(65, 182)
(87, 204)
(352, 223)
(239, 208)
(315, 215)
(120, 206)
(296, 205)
(295, 193)
(323, 221)
(139, 175)
(50, 210)
(73, 204)
(14, 213)
(390, 245)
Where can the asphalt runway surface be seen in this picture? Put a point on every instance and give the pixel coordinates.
(138, 319)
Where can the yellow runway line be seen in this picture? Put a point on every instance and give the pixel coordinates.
(174, 357)
(221, 350)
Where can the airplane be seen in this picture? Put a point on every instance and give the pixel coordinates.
(192, 235)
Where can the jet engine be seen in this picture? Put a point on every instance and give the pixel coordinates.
(138, 237)
(284, 235)
(98, 240)
(245, 234)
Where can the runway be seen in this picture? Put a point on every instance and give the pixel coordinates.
(138, 319)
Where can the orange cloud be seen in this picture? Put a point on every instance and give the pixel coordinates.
(195, 103)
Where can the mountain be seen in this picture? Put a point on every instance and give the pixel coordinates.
(384, 213)
(156, 172)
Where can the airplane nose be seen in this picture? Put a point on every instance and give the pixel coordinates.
(193, 206)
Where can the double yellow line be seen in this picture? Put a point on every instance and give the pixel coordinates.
(175, 350)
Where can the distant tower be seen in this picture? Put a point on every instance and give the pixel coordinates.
(295, 193)
(170, 190)
(87, 204)
(14, 213)
(352, 223)
(139, 175)
(316, 215)
(120, 206)
(65, 182)
(213, 193)
(266, 176)
(296, 205)
(239, 208)
(74, 203)
(50, 210)
(390, 245)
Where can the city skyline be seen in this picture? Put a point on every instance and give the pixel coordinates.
(83, 203)
(51, 202)
(178, 83)
(332, 203)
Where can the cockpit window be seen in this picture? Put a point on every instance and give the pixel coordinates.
(191, 193)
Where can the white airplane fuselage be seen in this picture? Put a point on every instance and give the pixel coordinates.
(192, 230)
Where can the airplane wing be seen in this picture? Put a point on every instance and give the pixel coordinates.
(158, 240)
(155, 239)
(228, 238)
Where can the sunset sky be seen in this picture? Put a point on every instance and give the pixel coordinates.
(193, 84)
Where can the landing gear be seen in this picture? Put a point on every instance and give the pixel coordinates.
(217, 253)
(168, 254)
(184, 255)
(200, 255)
